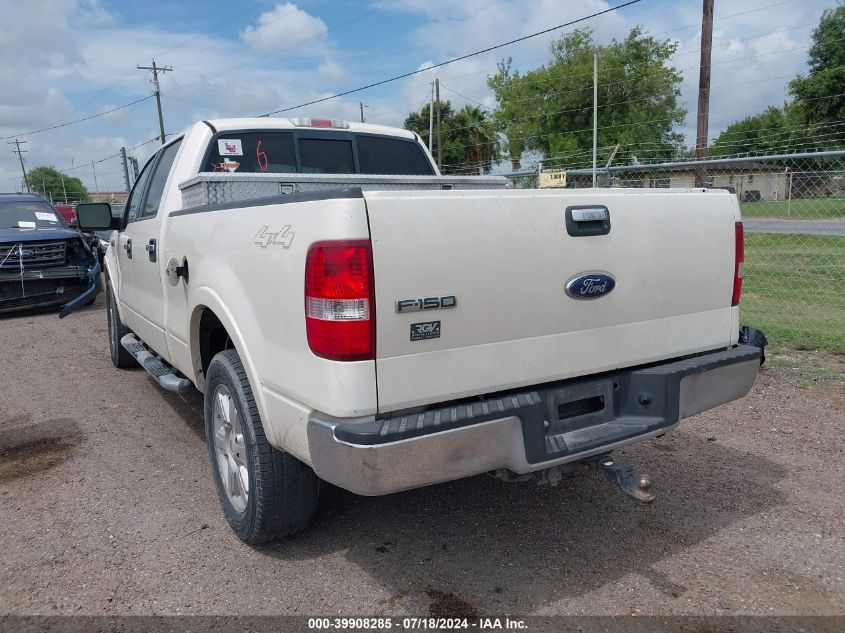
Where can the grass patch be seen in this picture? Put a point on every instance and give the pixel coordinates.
(798, 209)
(794, 289)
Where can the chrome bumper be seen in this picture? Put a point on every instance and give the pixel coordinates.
(525, 431)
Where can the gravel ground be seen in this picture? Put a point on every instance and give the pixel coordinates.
(108, 508)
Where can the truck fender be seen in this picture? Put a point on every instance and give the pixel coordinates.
(111, 272)
(204, 298)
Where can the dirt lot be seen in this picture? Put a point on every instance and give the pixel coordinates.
(108, 508)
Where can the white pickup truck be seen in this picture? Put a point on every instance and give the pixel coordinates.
(354, 317)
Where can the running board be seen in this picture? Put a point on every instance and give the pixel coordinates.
(164, 374)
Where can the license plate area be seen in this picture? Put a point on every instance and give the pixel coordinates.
(591, 414)
(580, 405)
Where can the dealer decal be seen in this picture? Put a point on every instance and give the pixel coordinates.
(230, 147)
(425, 331)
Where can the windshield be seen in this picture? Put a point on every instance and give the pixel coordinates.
(28, 215)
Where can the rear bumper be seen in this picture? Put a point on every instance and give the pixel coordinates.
(527, 430)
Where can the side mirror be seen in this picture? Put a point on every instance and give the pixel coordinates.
(94, 216)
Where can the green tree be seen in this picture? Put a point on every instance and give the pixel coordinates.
(550, 109)
(47, 181)
(820, 92)
(468, 136)
(773, 131)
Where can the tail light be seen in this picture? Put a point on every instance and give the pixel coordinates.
(340, 300)
(738, 264)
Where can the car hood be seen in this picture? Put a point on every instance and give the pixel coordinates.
(33, 235)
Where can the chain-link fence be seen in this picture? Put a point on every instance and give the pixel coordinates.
(793, 208)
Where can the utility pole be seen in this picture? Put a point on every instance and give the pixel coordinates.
(439, 143)
(157, 90)
(431, 119)
(20, 154)
(64, 189)
(703, 89)
(134, 162)
(361, 104)
(125, 168)
(595, 111)
(96, 186)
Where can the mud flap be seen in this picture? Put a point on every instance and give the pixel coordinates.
(90, 292)
(754, 337)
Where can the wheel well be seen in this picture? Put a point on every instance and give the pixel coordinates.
(213, 338)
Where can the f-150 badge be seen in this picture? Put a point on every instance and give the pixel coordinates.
(426, 303)
(268, 236)
(590, 285)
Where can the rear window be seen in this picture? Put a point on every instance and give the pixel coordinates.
(326, 156)
(380, 155)
(28, 215)
(273, 151)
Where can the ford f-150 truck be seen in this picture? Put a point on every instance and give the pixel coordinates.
(352, 316)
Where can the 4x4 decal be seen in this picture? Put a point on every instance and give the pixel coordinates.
(267, 236)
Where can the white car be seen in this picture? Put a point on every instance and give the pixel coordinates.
(355, 317)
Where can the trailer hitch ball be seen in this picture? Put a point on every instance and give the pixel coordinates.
(635, 487)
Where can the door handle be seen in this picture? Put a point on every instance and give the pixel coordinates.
(127, 246)
(151, 250)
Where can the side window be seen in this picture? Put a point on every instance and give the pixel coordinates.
(152, 200)
(133, 204)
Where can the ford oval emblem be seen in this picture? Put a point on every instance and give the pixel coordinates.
(590, 285)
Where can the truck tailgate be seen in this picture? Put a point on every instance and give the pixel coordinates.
(506, 257)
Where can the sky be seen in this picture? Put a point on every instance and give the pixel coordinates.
(70, 59)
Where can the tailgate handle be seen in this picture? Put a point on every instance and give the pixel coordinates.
(590, 214)
(586, 221)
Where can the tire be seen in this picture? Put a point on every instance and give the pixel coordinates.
(268, 493)
(120, 358)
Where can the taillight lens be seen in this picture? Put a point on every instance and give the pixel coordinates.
(738, 264)
(340, 300)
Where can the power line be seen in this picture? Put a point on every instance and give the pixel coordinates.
(456, 59)
(88, 118)
(722, 43)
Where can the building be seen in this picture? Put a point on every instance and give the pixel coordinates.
(752, 181)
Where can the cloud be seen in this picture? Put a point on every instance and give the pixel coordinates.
(67, 59)
(286, 26)
(331, 70)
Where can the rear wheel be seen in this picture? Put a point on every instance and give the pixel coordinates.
(119, 356)
(265, 493)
